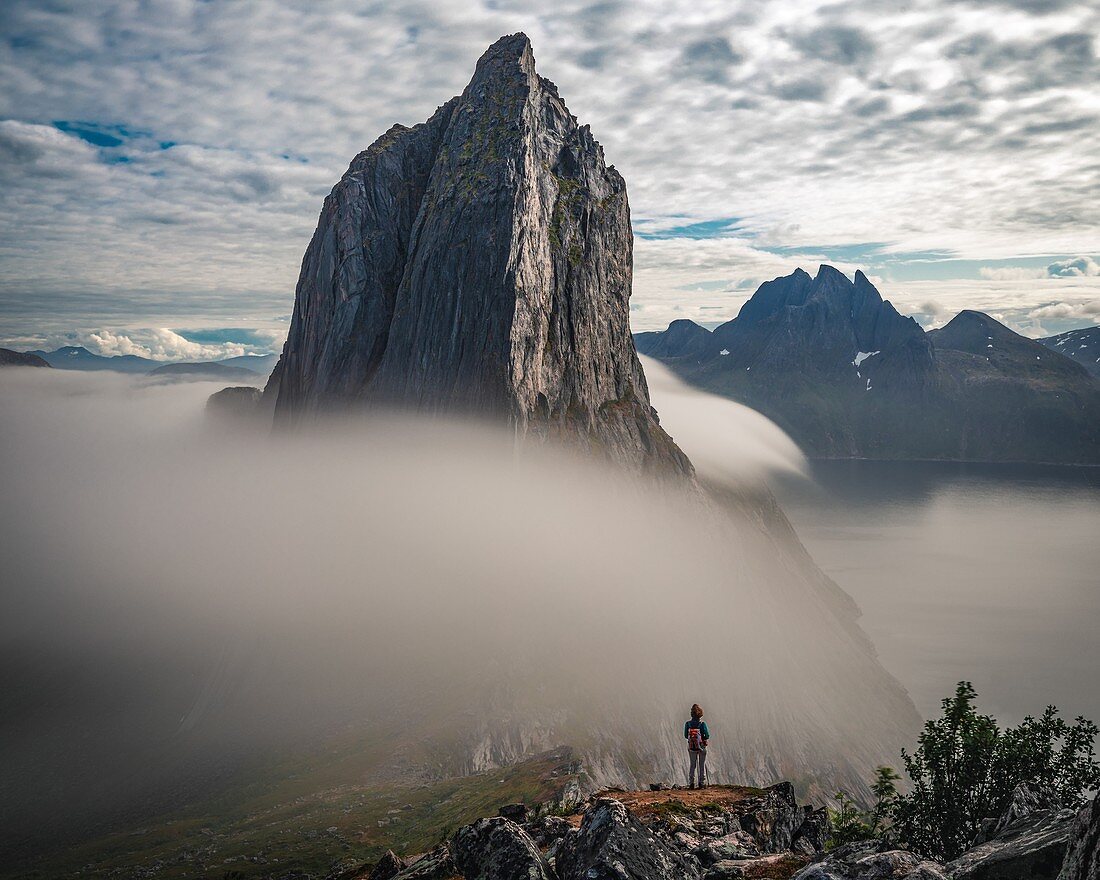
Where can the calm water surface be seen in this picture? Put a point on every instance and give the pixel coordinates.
(983, 572)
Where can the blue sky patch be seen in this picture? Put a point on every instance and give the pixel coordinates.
(723, 226)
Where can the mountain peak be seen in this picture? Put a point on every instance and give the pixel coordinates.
(508, 55)
(825, 272)
(479, 262)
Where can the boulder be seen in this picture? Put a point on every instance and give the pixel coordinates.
(774, 823)
(547, 829)
(387, 867)
(1083, 853)
(1028, 842)
(812, 832)
(871, 860)
(736, 845)
(516, 812)
(498, 849)
(1027, 799)
(435, 865)
(611, 844)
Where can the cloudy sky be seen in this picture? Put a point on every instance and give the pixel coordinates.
(162, 164)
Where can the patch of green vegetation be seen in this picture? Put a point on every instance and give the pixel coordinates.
(304, 814)
(569, 195)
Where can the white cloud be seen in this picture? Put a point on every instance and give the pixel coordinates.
(161, 344)
(1011, 273)
(1080, 267)
(933, 128)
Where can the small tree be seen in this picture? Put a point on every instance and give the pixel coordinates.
(848, 823)
(965, 769)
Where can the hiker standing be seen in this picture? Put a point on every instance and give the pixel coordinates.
(696, 734)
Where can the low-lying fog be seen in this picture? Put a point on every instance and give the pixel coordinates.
(177, 598)
(984, 572)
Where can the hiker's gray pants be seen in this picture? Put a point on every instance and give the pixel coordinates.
(698, 759)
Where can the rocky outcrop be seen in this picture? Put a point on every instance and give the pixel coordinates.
(774, 822)
(612, 844)
(435, 865)
(9, 358)
(845, 375)
(1027, 842)
(1082, 860)
(870, 860)
(497, 849)
(671, 834)
(479, 262)
(235, 404)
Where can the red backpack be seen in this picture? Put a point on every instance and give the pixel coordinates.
(695, 739)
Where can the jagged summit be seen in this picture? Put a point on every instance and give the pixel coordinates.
(846, 375)
(479, 262)
(818, 324)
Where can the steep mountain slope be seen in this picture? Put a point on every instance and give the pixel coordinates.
(1006, 396)
(9, 358)
(479, 262)
(1082, 346)
(847, 376)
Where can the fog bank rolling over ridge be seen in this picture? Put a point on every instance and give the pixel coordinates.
(183, 596)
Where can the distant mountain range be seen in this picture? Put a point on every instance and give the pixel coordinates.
(206, 370)
(73, 357)
(1081, 345)
(9, 358)
(847, 376)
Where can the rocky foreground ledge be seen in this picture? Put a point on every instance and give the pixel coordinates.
(726, 832)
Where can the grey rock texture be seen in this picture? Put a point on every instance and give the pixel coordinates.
(498, 849)
(774, 822)
(387, 867)
(9, 358)
(1028, 842)
(871, 861)
(479, 262)
(1083, 852)
(435, 865)
(612, 844)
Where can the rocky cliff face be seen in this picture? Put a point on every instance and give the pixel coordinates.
(481, 263)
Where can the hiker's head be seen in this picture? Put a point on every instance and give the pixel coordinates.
(696, 711)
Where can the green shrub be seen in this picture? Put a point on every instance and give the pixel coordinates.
(965, 769)
(848, 823)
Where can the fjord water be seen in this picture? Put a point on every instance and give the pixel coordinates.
(985, 572)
